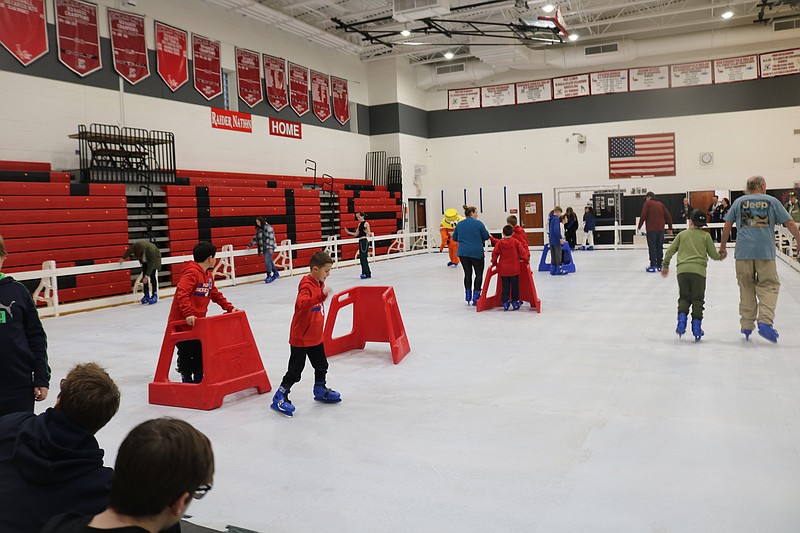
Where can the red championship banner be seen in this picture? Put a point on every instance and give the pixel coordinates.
(172, 55)
(321, 95)
(207, 66)
(231, 120)
(341, 100)
(78, 37)
(128, 46)
(275, 77)
(298, 88)
(23, 29)
(248, 72)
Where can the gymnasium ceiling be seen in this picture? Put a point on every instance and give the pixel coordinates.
(367, 28)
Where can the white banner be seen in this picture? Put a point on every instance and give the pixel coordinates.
(780, 63)
(498, 95)
(735, 69)
(690, 74)
(463, 98)
(529, 92)
(571, 86)
(647, 78)
(609, 81)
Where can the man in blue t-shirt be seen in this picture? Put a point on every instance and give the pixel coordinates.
(756, 215)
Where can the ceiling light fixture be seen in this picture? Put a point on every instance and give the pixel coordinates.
(728, 14)
(547, 8)
(574, 36)
(405, 33)
(448, 55)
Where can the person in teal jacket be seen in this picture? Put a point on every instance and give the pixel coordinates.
(693, 247)
(471, 234)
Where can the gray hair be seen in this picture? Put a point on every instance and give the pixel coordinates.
(756, 183)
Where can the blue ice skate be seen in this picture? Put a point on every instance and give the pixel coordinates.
(281, 402)
(516, 305)
(768, 332)
(324, 394)
(152, 300)
(697, 331)
(681, 329)
(506, 305)
(747, 333)
(651, 269)
(476, 295)
(468, 296)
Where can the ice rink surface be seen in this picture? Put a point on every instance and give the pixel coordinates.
(592, 416)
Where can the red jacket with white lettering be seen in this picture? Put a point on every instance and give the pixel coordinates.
(309, 313)
(194, 292)
(508, 254)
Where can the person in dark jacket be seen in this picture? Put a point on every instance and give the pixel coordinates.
(51, 463)
(24, 372)
(555, 235)
(685, 213)
(589, 224)
(571, 228)
(265, 240)
(655, 216)
(149, 256)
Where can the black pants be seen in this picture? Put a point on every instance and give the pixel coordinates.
(363, 255)
(655, 246)
(555, 255)
(153, 284)
(470, 265)
(691, 292)
(297, 362)
(510, 284)
(16, 400)
(190, 360)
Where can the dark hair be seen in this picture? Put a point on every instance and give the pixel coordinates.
(362, 214)
(320, 259)
(262, 220)
(89, 397)
(511, 219)
(3, 253)
(650, 194)
(158, 462)
(203, 250)
(469, 209)
(508, 230)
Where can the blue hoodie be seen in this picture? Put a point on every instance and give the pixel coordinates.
(470, 234)
(48, 466)
(554, 229)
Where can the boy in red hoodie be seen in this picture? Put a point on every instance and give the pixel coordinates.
(194, 292)
(305, 336)
(507, 255)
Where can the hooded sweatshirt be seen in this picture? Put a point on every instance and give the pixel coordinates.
(554, 230)
(23, 357)
(309, 313)
(194, 292)
(48, 466)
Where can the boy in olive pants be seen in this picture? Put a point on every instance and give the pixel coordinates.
(693, 247)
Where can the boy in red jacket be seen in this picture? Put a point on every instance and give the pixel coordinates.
(506, 256)
(194, 292)
(305, 336)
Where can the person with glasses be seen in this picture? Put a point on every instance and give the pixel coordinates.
(162, 465)
(51, 463)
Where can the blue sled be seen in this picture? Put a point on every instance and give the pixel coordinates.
(567, 264)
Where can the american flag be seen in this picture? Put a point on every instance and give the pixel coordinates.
(641, 155)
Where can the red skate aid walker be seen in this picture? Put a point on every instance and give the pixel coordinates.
(231, 362)
(376, 318)
(527, 290)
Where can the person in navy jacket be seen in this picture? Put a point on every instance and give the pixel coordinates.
(589, 224)
(471, 234)
(555, 232)
(51, 463)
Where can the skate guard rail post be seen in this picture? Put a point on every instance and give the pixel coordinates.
(47, 291)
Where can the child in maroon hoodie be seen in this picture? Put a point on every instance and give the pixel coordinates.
(507, 255)
(194, 292)
(305, 336)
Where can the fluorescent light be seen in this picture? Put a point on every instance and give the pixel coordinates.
(548, 8)
(728, 14)
(574, 36)
(448, 55)
(405, 33)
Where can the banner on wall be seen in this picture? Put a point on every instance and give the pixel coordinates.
(498, 95)
(285, 128)
(231, 120)
(691, 74)
(206, 66)
(641, 155)
(780, 63)
(529, 92)
(648, 78)
(571, 86)
(248, 74)
(321, 95)
(275, 78)
(298, 88)
(469, 98)
(172, 55)
(735, 69)
(128, 46)
(608, 82)
(78, 36)
(341, 100)
(23, 30)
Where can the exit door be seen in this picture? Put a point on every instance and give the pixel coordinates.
(531, 217)
(416, 213)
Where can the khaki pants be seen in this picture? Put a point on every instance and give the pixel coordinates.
(758, 291)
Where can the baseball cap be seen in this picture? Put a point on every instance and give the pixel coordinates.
(698, 218)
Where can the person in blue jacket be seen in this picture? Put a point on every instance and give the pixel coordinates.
(51, 463)
(588, 228)
(471, 234)
(555, 232)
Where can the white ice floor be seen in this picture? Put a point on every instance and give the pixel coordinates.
(589, 417)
